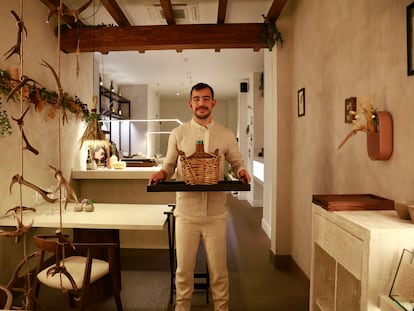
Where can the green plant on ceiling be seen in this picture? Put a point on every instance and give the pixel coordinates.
(270, 34)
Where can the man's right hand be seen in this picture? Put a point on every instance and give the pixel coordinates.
(156, 177)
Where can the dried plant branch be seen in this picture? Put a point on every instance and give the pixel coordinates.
(370, 125)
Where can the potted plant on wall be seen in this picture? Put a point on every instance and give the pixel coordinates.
(377, 125)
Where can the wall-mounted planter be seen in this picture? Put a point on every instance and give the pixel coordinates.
(380, 144)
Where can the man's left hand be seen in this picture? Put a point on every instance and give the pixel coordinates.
(244, 176)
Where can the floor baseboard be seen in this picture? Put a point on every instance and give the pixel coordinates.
(286, 262)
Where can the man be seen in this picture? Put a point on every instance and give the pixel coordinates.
(201, 214)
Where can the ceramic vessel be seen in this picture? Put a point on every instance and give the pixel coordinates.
(402, 210)
(411, 212)
(380, 143)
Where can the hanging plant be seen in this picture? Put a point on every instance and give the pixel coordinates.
(5, 126)
(271, 34)
(261, 84)
(40, 97)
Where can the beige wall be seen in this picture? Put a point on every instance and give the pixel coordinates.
(337, 49)
(41, 131)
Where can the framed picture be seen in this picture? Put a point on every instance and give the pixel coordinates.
(301, 102)
(410, 39)
(350, 105)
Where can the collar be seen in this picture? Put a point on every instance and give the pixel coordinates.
(209, 125)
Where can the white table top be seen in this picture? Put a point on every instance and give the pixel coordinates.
(126, 173)
(104, 216)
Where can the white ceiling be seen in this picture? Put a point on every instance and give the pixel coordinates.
(172, 72)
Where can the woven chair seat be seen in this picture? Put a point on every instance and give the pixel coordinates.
(75, 265)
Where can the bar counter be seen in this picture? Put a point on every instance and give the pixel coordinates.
(124, 186)
(128, 185)
(125, 173)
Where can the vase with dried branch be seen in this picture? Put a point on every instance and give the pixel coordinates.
(93, 135)
(367, 124)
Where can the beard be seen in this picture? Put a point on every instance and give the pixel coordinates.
(202, 115)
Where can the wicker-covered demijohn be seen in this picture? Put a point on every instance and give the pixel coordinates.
(201, 168)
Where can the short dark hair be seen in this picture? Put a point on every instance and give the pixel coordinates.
(201, 86)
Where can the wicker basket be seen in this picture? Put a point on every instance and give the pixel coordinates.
(200, 170)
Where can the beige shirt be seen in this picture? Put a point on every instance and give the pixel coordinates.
(214, 136)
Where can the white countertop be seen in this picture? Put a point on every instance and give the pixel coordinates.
(364, 223)
(104, 216)
(125, 173)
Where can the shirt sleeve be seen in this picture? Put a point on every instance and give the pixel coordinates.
(170, 161)
(233, 155)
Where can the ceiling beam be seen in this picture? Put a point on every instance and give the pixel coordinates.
(168, 11)
(115, 11)
(164, 37)
(275, 9)
(221, 14)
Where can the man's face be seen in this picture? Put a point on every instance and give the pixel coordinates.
(202, 103)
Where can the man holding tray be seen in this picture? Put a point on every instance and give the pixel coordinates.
(201, 214)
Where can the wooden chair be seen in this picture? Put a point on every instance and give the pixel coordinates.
(6, 298)
(77, 270)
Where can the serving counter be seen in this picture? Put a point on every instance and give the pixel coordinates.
(125, 173)
(128, 185)
(124, 186)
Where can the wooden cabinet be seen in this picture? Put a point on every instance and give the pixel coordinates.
(354, 257)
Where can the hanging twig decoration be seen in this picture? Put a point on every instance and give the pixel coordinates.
(17, 47)
(20, 229)
(19, 179)
(76, 12)
(63, 183)
(20, 123)
(24, 79)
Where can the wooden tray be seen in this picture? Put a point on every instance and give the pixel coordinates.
(173, 186)
(352, 202)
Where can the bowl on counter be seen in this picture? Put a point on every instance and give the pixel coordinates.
(411, 212)
(402, 210)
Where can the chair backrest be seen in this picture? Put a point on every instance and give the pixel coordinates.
(6, 298)
(62, 247)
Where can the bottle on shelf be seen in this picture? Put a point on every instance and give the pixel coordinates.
(89, 161)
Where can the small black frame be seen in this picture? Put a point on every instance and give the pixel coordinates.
(301, 102)
(410, 39)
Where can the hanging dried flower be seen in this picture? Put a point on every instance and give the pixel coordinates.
(370, 117)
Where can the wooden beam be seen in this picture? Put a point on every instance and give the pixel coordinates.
(115, 11)
(221, 14)
(164, 37)
(168, 11)
(275, 9)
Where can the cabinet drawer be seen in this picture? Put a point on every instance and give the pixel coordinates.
(340, 244)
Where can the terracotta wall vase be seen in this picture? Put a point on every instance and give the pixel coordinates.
(380, 144)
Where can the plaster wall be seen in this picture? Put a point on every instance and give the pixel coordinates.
(41, 130)
(336, 49)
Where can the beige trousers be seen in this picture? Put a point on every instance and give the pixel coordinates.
(212, 231)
